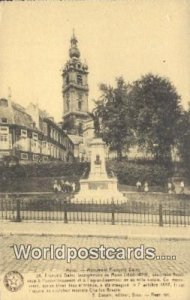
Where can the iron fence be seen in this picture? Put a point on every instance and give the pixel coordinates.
(62, 208)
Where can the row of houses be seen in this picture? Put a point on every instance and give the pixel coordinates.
(29, 135)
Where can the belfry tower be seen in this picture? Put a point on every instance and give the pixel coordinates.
(75, 91)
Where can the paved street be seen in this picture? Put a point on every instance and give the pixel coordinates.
(179, 248)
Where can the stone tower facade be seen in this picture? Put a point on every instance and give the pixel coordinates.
(75, 91)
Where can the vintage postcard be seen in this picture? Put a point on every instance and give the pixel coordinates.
(94, 150)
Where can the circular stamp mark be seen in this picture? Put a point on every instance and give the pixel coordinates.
(13, 281)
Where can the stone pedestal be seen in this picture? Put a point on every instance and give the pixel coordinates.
(98, 186)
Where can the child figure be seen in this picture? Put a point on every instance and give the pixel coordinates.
(138, 185)
(146, 187)
(182, 186)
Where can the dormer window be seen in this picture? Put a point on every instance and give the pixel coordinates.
(3, 102)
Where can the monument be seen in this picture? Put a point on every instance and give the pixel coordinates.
(98, 186)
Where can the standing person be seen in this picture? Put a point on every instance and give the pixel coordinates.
(182, 186)
(173, 188)
(62, 185)
(55, 186)
(169, 187)
(59, 189)
(73, 186)
(67, 186)
(146, 187)
(138, 185)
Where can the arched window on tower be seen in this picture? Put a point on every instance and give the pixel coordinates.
(79, 79)
(80, 128)
(67, 103)
(80, 103)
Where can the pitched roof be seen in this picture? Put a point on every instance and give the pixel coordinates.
(75, 139)
(21, 117)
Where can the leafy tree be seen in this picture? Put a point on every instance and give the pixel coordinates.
(155, 109)
(183, 139)
(114, 120)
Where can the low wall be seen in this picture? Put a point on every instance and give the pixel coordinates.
(155, 197)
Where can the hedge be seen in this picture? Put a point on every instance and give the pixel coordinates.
(53, 169)
(127, 172)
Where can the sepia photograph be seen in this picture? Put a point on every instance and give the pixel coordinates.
(95, 149)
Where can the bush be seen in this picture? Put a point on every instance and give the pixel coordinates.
(53, 169)
(128, 173)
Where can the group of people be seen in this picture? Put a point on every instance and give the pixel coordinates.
(171, 187)
(64, 186)
(141, 187)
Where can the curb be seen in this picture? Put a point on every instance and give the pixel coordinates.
(147, 237)
(94, 230)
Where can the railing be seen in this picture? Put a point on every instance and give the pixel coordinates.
(59, 207)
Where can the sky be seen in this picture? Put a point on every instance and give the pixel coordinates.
(116, 38)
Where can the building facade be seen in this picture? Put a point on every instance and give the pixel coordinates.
(30, 136)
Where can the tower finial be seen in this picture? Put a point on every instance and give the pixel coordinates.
(9, 93)
(73, 38)
(74, 51)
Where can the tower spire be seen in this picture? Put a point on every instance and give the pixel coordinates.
(74, 51)
(9, 93)
(73, 32)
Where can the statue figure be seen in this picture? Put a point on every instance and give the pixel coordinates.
(96, 120)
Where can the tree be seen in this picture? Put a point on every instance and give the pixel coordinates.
(155, 109)
(183, 140)
(114, 119)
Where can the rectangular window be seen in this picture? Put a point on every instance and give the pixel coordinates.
(35, 136)
(24, 133)
(3, 138)
(35, 157)
(24, 156)
(55, 135)
(4, 153)
(4, 120)
(79, 79)
(4, 129)
(51, 132)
